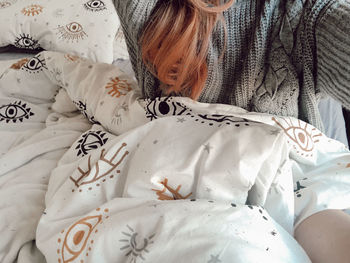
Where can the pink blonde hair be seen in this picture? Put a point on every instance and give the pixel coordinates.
(175, 43)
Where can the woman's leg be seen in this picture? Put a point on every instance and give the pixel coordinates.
(325, 236)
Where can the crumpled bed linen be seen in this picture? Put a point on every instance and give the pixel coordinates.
(136, 180)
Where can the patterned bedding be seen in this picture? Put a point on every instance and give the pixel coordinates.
(90, 172)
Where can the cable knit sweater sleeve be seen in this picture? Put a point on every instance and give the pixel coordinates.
(333, 51)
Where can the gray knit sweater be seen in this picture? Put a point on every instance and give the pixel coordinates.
(280, 57)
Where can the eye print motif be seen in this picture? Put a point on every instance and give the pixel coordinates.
(105, 167)
(71, 32)
(119, 87)
(34, 65)
(303, 136)
(165, 107)
(82, 108)
(136, 246)
(161, 107)
(95, 5)
(26, 42)
(78, 238)
(90, 141)
(14, 112)
(32, 10)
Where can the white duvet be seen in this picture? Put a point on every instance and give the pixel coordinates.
(164, 180)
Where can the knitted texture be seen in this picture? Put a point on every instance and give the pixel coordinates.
(279, 57)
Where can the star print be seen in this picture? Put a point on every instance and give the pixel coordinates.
(214, 259)
(207, 147)
(181, 120)
(155, 142)
(208, 189)
(18, 80)
(273, 233)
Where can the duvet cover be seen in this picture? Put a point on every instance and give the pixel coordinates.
(91, 172)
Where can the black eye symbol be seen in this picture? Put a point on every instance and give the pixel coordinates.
(159, 108)
(34, 65)
(95, 5)
(15, 111)
(26, 42)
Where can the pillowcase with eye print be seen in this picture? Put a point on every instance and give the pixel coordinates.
(85, 28)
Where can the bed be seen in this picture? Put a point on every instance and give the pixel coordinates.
(90, 172)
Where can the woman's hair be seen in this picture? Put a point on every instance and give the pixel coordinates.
(175, 43)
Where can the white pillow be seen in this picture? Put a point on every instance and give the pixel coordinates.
(86, 28)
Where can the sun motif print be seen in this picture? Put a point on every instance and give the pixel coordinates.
(103, 169)
(95, 5)
(162, 195)
(13, 112)
(77, 241)
(32, 10)
(119, 87)
(135, 247)
(71, 32)
(34, 65)
(303, 136)
(25, 41)
(90, 140)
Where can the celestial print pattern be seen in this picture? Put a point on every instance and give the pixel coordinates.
(32, 10)
(303, 137)
(13, 112)
(135, 247)
(72, 32)
(119, 87)
(175, 193)
(89, 141)
(101, 170)
(35, 65)
(95, 5)
(79, 238)
(25, 41)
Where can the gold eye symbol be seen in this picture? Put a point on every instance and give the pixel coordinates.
(302, 136)
(34, 65)
(72, 31)
(95, 5)
(74, 27)
(77, 237)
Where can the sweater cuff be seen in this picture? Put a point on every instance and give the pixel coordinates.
(333, 51)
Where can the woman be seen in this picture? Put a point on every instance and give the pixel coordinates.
(271, 56)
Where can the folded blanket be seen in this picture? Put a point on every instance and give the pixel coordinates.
(158, 180)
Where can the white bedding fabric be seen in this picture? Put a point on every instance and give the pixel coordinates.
(107, 185)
